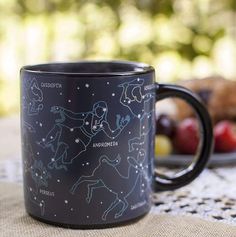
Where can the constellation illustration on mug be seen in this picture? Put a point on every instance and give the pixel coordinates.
(33, 98)
(98, 179)
(145, 124)
(40, 175)
(133, 96)
(80, 128)
(35, 168)
(27, 148)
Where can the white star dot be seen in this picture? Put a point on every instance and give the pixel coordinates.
(101, 202)
(108, 83)
(35, 198)
(60, 93)
(78, 88)
(36, 174)
(52, 159)
(37, 153)
(87, 217)
(94, 127)
(72, 129)
(138, 79)
(43, 139)
(69, 101)
(40, 124)
(129, 132)
(113, 94)
(72, 209)
(40, 204)
(66, 201)
(143, 127)
(87, 85)
(55, 215)
(87, 163)
(51, 137)
(58, 180)
(93, 94)
(101, 125)
(139, 115)
(104, 109)
(77, 140)
(129, 102)
(87, 123)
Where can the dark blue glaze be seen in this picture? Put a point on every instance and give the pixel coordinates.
(87, 146)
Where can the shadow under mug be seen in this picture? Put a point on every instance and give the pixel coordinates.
(88, 133)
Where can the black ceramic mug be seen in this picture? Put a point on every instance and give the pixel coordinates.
(88, 142)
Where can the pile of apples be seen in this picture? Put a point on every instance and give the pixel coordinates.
(183, 137)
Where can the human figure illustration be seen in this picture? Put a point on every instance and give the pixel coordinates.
(34, 169)
(145, 126)
(122, 186)
(80, 128)
(133, 96)
(32, 101)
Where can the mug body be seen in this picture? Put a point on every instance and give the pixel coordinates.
(87, 142)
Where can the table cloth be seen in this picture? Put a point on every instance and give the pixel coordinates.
(206, 207)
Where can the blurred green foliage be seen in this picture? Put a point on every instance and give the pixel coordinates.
(182, 38)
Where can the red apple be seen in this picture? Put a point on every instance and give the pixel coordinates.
(225, 136)
(187, 136)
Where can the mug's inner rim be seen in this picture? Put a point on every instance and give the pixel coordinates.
(91, 68)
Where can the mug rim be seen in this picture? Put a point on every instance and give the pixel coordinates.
(138, 68)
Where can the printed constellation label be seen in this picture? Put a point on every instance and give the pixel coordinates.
(47, 193)
(149, 87)
(105, 144)
(51, 85)
(138, 205)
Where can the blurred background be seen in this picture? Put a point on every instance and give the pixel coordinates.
(182, 39)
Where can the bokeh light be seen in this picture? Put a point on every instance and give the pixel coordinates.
(180, 38)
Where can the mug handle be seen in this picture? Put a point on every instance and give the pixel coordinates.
(187, 175)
